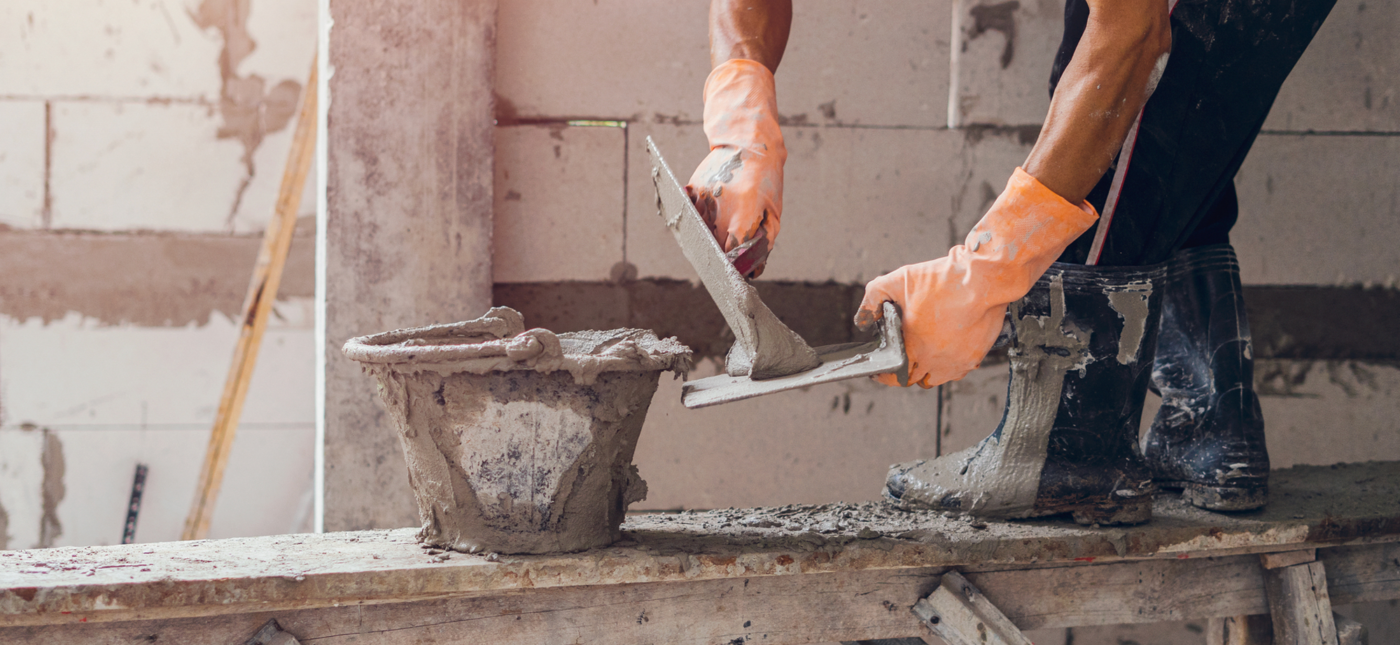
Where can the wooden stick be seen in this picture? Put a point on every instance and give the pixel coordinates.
(262, 293)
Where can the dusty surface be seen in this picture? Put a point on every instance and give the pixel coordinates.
(1311, 506)
(519, 441)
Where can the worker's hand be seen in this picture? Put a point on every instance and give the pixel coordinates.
(738, 188)
(953, 307)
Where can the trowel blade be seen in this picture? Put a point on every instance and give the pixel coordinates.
(838, 363)
(763, 345)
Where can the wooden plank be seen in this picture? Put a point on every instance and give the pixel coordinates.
(1300, 606)
(305, 571)
(843, 606)
(958, 613)
(1259, 630)
(1287, 558)
(777, 610)
(204, 578)
(1362, 573)
(262, 293)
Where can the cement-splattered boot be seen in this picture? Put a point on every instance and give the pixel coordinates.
(1208, 437)
(1081, 357)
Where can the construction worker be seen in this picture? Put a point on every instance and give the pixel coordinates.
(1087, 301)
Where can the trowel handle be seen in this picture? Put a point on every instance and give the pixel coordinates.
(892, 335)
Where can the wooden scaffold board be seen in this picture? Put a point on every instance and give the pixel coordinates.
(776, 575)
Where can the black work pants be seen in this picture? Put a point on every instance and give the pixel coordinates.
(1228, 60)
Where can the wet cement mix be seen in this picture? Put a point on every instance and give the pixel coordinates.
(519, 441)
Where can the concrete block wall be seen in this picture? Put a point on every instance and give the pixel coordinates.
(141, 148)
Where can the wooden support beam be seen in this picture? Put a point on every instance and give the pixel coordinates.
(1287, 558)
(958, 613)
(262, 293)
(1300, 605)
(792, 608)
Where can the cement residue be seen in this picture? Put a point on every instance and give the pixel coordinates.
(52, 490)
(1131, 304)
(499, 342)
(249, 112)
(519, 441)
(1000, 476)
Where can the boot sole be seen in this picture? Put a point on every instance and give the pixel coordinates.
(1221, 498)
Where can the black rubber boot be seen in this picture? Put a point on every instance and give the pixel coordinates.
(1208, 438)
(1081, 359)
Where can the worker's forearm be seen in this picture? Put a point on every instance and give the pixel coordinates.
(750, 29)
(1099, 96)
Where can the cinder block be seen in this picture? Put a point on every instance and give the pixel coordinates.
(147, 48)
(21, 487)
(266, 488)
(559, 202)
(857, 202)
(285, 32)
(1002, 60)
(22, 163)
(847, 61)
(972, 407)
(1319, 210)
(650, 246)
(990, 155)
(143, 166)
(1324, 412)
(828, 443)
(612, 59)
(75, 371)
(260, 198)
(1348, 79)
(862, 202)
(866, 62)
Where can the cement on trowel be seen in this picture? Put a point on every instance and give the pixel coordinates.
(519, 441)
(763, 346)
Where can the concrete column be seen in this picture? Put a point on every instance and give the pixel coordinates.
(409, 150)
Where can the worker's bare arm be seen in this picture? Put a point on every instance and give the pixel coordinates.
(1100, 94)
(750, 29)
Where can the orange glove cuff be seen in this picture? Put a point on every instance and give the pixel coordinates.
(741, 109)
(738, 188)
(953, 306)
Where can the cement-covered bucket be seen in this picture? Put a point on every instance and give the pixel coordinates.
(519, 441)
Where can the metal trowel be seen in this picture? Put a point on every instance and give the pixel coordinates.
(767, 356)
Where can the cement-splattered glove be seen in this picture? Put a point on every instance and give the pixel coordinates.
(738, 188)
(953, 307)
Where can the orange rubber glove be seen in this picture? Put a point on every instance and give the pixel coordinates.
(738, 188)
(953, 307)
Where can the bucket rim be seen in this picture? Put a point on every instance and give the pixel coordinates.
(499, 342)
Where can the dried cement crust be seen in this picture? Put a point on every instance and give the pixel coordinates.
(519, 441)
(499, 342)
